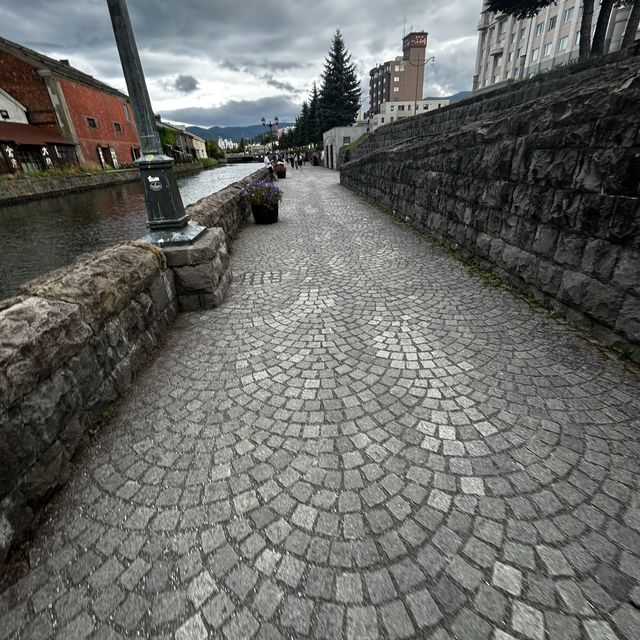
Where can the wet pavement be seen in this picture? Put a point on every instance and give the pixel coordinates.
(364, 441)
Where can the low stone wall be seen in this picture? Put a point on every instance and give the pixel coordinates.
(539, 182)
(69, 346)
(225, 209)
(23, 189)
(71, 341)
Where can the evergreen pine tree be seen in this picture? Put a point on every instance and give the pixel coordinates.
(339, 97)
(315, 133)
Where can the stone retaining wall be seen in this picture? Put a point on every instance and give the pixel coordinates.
(72, 340)
(70, 344)
(539, 182)
(24, 189)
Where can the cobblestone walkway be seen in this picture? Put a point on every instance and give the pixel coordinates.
(365, 441)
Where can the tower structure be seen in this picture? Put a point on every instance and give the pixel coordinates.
(400, 79)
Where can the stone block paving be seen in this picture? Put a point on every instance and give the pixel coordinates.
(364, 441)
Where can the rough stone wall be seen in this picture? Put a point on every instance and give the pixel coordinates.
(70, 344)
(539, 182)
(22, 189)
(225, 208)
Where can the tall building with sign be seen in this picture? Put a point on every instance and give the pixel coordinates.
(401, 79)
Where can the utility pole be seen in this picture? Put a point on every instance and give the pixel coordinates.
(167, 220)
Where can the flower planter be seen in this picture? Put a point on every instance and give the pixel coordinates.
(262, 214)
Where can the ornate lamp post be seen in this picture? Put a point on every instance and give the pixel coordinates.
(167, 220)
(270, 125)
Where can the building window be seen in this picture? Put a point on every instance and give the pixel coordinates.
(563, 43)
(522, 33)
(503, 27)
(512, 39)
(552, 23)
(117, 127)
(439, 105)
(539, 29)
(400, 107)
(396, 78)
(382, 120)
(346, 140)
(547, 49)
(568, 15)
(498, 60)
(4, 114)
(127, 115)
(535, 54)
(391, 119)
(510, 56)
(396, 89)
(426, 107)
(91, 122)
(391, 108)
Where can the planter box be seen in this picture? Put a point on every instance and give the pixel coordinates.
(262, 214)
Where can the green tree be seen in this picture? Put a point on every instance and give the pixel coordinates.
(242, 146)
(339, 96)
(315, 132)
(213, 150)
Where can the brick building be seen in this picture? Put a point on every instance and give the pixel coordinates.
(401, 79)
(96, 118)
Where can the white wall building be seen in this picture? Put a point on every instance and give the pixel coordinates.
(394, 111)
(335, 139)
(511, 50)
(11, 110)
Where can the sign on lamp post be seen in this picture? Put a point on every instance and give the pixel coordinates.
(167, 219)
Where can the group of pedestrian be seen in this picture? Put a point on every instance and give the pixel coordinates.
(296, 158)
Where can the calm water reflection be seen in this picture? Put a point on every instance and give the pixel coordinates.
(42, 235)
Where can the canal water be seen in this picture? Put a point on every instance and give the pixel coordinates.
(42, 235)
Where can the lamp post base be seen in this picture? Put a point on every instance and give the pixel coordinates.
(174, 237)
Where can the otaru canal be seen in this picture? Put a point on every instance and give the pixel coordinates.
(42, 235)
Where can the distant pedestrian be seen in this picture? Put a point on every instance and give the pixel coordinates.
(268, 165)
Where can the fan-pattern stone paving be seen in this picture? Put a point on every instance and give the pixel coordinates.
(364, 441)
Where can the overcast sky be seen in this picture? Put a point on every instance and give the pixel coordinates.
(229, 62)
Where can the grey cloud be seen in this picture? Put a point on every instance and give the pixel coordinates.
(237, 112)
(283, 86)
(283, 48)
(185, 84)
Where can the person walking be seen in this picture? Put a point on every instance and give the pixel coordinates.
(268, 165)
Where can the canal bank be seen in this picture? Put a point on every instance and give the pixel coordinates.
(23, 189)
(42, 235)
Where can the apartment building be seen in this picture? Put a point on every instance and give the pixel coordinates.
(511, 50)
(402, 78)
(394, 111)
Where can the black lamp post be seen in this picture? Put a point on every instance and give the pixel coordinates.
(270, 125)
(167, 220)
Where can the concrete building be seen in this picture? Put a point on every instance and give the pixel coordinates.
(394, 111)
(70, 104)
(335, 139)
(510, 50)
(401, 79)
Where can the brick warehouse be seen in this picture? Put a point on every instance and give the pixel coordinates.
(61, 100)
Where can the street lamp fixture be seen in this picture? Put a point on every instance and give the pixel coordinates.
(270, 124)
(167, 220)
